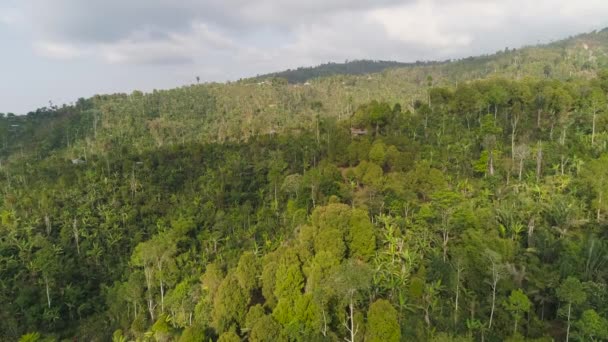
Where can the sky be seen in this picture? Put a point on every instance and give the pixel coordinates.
(60, 50)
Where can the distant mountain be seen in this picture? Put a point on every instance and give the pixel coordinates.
(279, 102)
(356, 67)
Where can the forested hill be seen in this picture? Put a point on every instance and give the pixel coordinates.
(464, 201)
(237, 111)
(358, 67)
(594, 43)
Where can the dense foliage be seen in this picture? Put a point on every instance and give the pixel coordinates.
(357, 67)
(469, 211)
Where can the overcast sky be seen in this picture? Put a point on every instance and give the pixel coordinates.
(59, 50)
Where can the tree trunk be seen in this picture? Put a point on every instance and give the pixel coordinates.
(351, 328)
(48, 294)
(352, 322)
(514, 125)
(490, 162)
(151, 308)
(148, 274)
(521, 168)
(563, 162)
(446, 239)
(493, 303)
(47, 222)
(324, 329)
(593, 130)
(457, 295)
(75, 229)
(539, 161)
(162, 297)
(530, 231)
(599, 205)
(568, 329)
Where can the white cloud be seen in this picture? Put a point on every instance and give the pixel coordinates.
(228, 39)
(295, 31)
(173, 48)
(58, 50)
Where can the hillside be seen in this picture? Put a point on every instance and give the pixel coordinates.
(458, 201)
(239, 110)
(359, 67)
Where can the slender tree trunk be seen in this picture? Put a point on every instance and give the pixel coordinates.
(514, 125)
(47, 222)
(493, 303)
(593, 129)
(162, 297)
(324, 329)
(351, 328)
(353, 332)
(521, 168)
(148, 274)
(599, 205)
(317, 126)
(76, 237)
(151, 307)
(275, 194)
(539, 161)
(457, 294)
(48, 294)
(542, 311)
(446, 239)
(491, 163)
(568, 329)
(530, 231)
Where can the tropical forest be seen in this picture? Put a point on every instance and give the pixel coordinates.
(461, 200)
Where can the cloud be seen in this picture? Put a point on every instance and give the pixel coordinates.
(146, 47)
(58, 50)
(117, 45)
(111, 20)
(286, 32)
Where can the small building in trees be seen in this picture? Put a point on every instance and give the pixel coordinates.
(358, 131)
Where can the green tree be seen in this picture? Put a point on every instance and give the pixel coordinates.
(519, 305)
(382, 323)
(229, 336)
(248, 271)
(596, 174)
(289, 281)
(592, 327)
(230, 304)
(377, 154)
(266, 329)
(361, 238)
(347, 284)
(572, 293)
